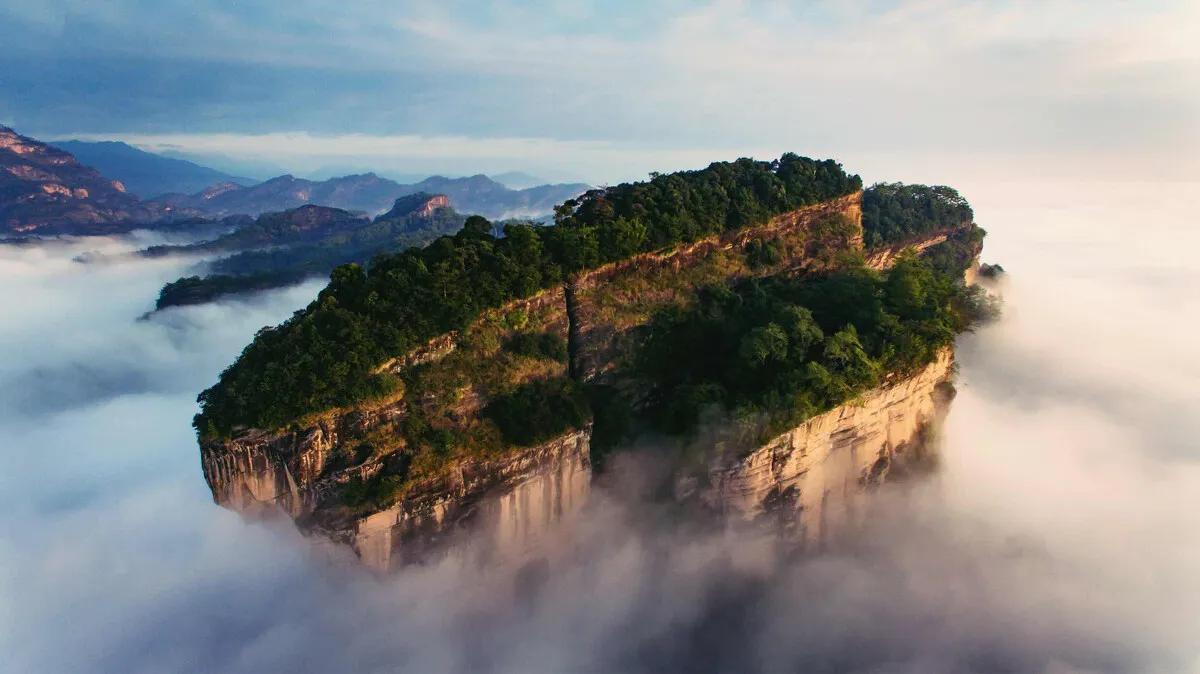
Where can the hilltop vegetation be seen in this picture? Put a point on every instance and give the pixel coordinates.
(777, 351)
(327, 354)
(895, 212)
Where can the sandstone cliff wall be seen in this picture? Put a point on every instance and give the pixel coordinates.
(813, 478)
(882, 258)
(518, 495)
(258, 472)
(507, 505)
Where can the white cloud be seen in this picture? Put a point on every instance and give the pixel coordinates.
(1114, 86)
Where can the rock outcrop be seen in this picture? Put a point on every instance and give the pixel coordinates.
(44, 190)
(814, 477)
(420, 205)
(509, 501)
(806, 477)
(505, 505)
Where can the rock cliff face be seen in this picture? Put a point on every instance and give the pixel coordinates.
(505, 505)
(807, 477)
(420, 204)
(44, 190)
(813, 478)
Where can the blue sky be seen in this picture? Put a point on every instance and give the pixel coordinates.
(610, 90)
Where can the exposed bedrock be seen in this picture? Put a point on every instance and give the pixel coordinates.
(810, 478)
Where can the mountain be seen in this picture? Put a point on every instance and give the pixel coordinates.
(46, 190)
(283, 248)
(365, 192)
(484, 196)
(285, 228)
(370, 193)
(255, 168)
(733, 314)
(144, 173)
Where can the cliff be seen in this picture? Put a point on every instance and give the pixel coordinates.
(509, 500)
(420, 204)
(505, 506)
(813, 478)
(382, 478)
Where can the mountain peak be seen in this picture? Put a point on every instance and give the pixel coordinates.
(47, 190)
(420, 204)
(310, 216)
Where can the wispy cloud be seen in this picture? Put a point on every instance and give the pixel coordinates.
(1062, 533)
(1114, 80)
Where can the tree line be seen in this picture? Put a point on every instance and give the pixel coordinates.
(895, 212)
(326, 354)
(780, 350)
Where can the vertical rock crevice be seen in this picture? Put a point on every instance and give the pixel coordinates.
(574, 336)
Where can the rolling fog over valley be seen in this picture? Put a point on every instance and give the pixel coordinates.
(1060, 532)
(730, 336)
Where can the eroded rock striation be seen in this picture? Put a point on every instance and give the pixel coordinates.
(813, 478)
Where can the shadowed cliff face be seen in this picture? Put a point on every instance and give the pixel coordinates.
(1060, 533)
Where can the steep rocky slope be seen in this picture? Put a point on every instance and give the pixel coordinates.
(44, 190)
(813, 478)
(339, 474)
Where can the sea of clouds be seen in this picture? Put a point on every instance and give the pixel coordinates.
(1060, 534)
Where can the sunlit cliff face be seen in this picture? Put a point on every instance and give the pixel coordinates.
(1061, 533)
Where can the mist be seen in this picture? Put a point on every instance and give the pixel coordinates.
(1061, 532)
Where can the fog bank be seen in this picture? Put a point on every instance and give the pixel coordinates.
(1061, 533)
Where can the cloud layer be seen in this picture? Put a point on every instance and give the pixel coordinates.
(1059, 536)
(609, 84)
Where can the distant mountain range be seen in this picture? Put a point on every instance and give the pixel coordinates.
(144, 173)
(373, 194)
(45, 190)
(279, 249)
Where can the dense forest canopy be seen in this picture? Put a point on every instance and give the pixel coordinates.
(783, 349)
(326, 355)
(895, 212)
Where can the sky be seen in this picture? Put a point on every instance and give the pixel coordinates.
(607, 91)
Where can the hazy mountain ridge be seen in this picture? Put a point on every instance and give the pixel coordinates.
(147, 174)
(45, 189)
(373, 194)
(517, 180)
(279, 249)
